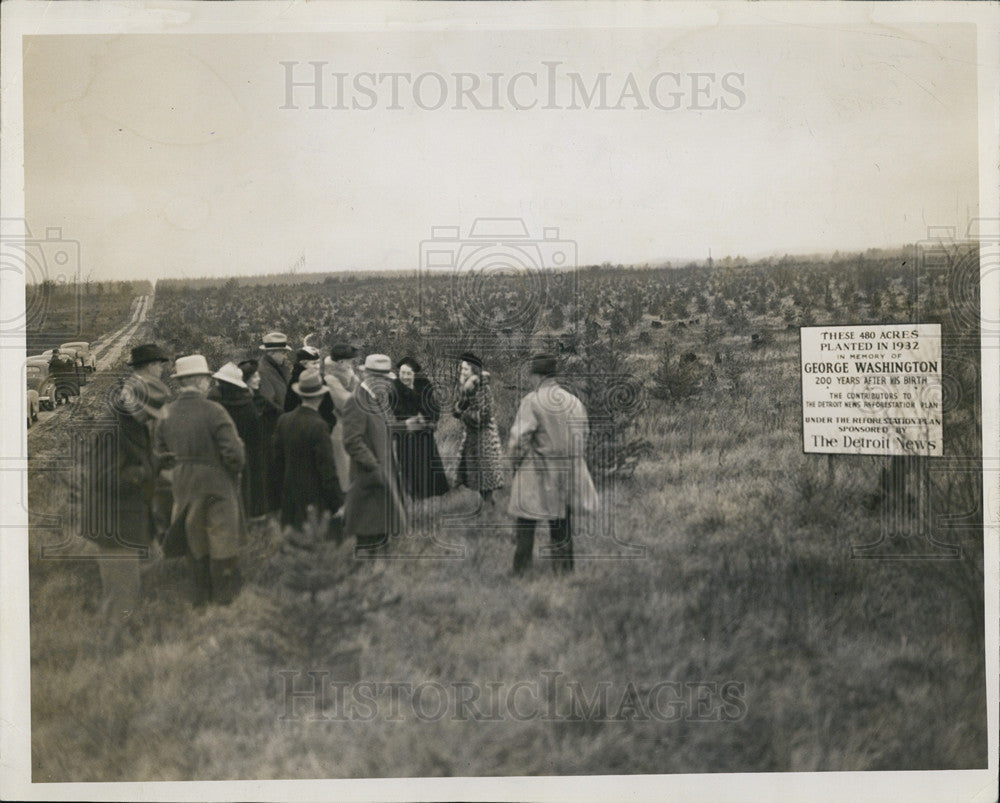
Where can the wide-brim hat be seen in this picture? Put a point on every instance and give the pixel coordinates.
(192, 365)
(275, 341)
(310, 384)
(378, 364)
(343, 351)
(307, 354)
(147, 353)
(230, 373)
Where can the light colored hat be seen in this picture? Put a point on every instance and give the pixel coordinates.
(192, 365)
(230, 373)
(310, 384)
(275, 340)
(378, 364)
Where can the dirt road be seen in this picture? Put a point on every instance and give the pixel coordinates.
(107, 350)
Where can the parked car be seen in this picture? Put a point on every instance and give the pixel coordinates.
(69, 376)
(32, 406)
(62, 386)
(81, 351)
(36, 371)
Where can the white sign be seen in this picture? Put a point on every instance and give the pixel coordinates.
(872, 389)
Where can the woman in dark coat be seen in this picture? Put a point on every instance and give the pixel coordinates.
(480, 466)
(417, 412)
(234, 394)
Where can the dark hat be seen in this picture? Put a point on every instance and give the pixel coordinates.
(310, 384)
(411, 362)
(307, 354)
(343, 351)
(544, 365)
(471, 359)
(248, 367)
(147, 353)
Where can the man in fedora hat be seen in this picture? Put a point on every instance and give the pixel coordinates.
(551, 480)
(303, 455)
(148, 362)
(200, 439)
(275, 374)
(116, 500)
(374, 508)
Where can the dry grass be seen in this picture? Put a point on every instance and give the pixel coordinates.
(746, 576)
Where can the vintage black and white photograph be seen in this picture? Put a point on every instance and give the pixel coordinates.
(534, 394)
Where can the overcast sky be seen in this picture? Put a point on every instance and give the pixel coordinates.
(170, 155)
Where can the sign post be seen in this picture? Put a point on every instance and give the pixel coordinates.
(872, 390)
(876, 390)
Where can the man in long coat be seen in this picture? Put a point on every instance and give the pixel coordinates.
(303, 456)
(199, 438)
(275, 373)
(116, 463)
(551, 479)
(63, 372)
(148, 362)
(374, 508)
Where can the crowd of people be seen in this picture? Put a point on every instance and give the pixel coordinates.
(345, 444)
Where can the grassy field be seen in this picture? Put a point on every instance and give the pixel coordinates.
(743, 637)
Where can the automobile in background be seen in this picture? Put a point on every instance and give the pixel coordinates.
(32, 407)
(39, 382)
(59, 386)
(74, 372)
(80, 350)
